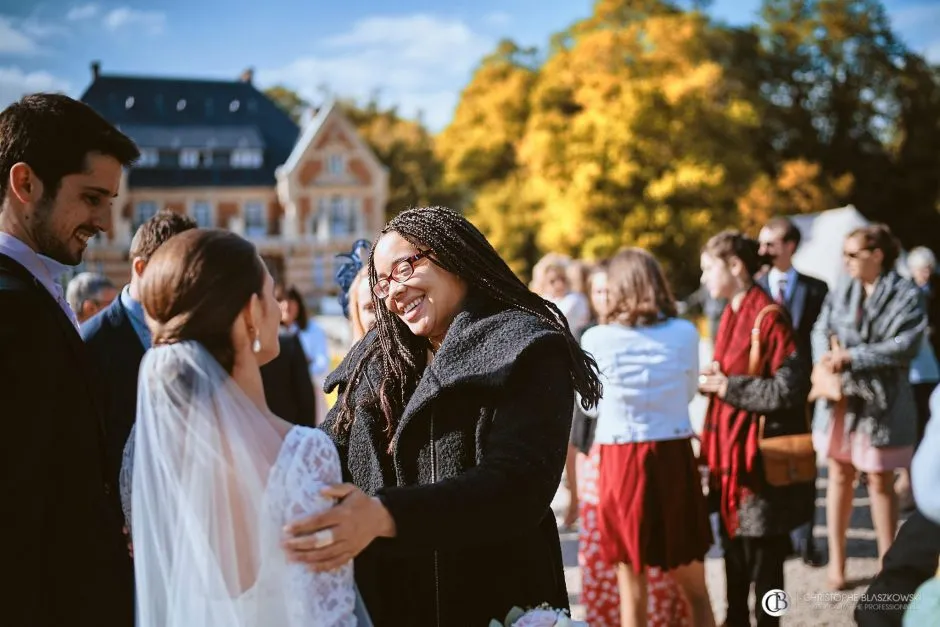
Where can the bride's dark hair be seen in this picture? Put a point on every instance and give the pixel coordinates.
(196, 284)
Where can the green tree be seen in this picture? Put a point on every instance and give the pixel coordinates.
(288, 100)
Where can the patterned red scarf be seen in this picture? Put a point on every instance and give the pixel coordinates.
(729, 437)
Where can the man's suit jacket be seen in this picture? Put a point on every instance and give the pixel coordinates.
(116, 351)
(61, 542)
(805, 303)
(287, 385)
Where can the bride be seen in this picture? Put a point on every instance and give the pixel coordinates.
(215, 475)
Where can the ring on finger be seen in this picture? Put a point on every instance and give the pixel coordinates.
(323, 538)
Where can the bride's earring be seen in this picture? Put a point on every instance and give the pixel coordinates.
(256, 345)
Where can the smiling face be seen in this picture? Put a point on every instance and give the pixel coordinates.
(430, 299)
(61, 225)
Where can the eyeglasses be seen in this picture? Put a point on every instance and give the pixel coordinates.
(855, 254)
(401, 272)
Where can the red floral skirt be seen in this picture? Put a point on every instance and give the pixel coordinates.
(599, 592)
(651, 508)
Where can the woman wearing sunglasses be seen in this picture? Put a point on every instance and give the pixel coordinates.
(879, 321)
(452, 424)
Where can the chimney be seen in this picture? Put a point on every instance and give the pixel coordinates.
(247, 76)
(95, 70)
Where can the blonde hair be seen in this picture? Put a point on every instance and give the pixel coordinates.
(355, 321)
(551, 263)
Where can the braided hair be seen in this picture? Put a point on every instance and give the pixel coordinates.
(459, 248)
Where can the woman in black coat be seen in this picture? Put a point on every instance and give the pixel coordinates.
(452, 426)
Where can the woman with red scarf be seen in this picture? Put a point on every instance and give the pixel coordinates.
(756, 518)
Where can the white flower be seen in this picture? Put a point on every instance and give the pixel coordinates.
(539, 618)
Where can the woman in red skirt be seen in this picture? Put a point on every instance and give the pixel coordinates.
(651, 511)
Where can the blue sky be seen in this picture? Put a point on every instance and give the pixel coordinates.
(417, 53)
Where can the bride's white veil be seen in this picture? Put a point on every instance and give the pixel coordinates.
(203, 453)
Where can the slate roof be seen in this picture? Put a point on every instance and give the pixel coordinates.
(159, 109)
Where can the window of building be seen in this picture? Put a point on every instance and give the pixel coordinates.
(234, 105)
(189, 158)
(129, 103)
(143, 211)
(341, 223)
(319, 271)
(180, 104)
(247, 158)
(202, 214)
(256, 223)
(149, 158)
(336, 165)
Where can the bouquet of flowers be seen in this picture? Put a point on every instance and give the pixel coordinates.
(541, 616)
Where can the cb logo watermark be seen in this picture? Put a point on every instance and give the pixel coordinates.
(775, 603)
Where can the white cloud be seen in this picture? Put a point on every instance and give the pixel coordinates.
(153, 22)
(497, 19)
(418, 62)
(932, 52)
(14, 84)
(82, 12)
(14, 41)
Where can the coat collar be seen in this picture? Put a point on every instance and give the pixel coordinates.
(479, 350)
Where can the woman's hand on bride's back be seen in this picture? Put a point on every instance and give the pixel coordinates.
(330, 539)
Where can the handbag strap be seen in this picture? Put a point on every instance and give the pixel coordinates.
(753, 364)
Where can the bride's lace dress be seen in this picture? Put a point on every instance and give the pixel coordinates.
(285, 593)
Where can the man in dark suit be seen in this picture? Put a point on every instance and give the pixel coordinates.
(117, 338)
(61, 545)
(803, 296)
(287, 384)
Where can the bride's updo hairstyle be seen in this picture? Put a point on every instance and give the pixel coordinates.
(196, 285)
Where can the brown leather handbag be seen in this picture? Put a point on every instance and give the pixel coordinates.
(787, 459)
(826, 384)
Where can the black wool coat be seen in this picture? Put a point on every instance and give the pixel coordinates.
(474, 463)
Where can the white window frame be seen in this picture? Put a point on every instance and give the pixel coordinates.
(189, 158)
(143, 211)
(255, 230)
(210, 213)
(339, 214)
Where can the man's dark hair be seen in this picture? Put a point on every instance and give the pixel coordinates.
(53, 135)
(787, 228)
(153, 233)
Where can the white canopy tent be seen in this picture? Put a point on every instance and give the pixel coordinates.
(820, 251)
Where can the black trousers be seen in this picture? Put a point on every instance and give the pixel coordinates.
(756, 562)
(911, 560)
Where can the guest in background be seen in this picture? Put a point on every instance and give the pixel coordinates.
(651, 510)
(294, 317)
(879, 320)
(925, 372)
(361, 308)
(117, 338)
(287, 385)
(88, 293)
(755, 518)
(803, 296)
(60, 170)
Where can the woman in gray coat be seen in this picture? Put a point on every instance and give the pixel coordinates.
(879, 320)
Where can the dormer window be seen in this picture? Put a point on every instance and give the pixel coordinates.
(189, 158)
(181, 104)
(246, 158)
(234, 105)
(149, 157)
(129, 103)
